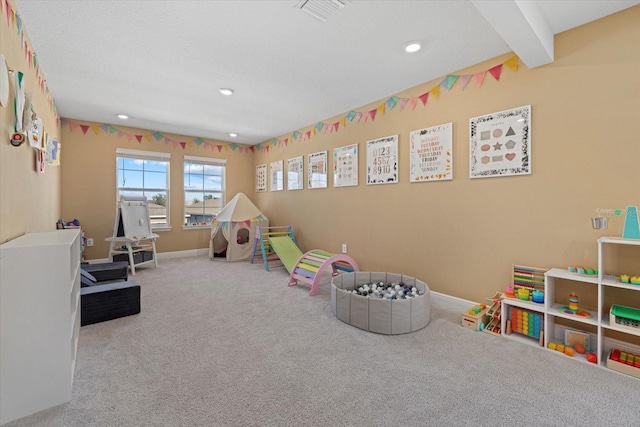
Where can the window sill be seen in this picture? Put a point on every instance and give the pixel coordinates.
(160, 229)
(196, 227)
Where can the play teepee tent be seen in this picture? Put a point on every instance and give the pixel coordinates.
(233, 230)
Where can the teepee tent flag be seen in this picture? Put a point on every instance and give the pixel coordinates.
(234, 228)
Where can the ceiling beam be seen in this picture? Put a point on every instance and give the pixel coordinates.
(522, 26)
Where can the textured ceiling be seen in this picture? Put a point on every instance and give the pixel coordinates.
(162, 62)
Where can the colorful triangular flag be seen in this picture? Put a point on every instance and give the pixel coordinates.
(512, 63)
(448, 82)
(496, 71)
(464, 80)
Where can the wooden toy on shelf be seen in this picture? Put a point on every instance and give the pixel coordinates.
(494, 312)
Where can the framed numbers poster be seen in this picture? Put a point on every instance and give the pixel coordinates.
(261, 178)
(345, 166)
(317, 169)
(277, 183)
(500, 143)
(382, 160)
(295, 172)
(431, 152)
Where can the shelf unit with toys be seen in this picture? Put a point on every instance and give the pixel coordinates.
(589, 314)
(618, 324)
(520, 313)
(568, 320)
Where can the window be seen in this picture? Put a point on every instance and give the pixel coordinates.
(204, 194)
(144, 173)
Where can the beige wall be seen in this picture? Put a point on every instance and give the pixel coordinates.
(29, 200)
(462, 236)
(89, 187)
(459, 236)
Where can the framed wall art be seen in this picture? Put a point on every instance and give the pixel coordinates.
(295, 172)
(500, 143)
(382, 160)
(317, 169)
(277, 178)
(345, 166)
(261, 178)
(431, 154)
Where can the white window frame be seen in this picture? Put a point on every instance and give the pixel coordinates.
(209, 161)
(147, 155)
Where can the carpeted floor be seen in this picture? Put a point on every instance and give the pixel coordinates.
(229, 344)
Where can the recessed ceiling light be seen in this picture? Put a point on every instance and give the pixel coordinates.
(412, 47)
(233, 135)
(123, 116)
(226, 91)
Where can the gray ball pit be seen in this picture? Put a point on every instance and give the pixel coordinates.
(382, 316)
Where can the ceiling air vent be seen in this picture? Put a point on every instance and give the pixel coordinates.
(322, 9)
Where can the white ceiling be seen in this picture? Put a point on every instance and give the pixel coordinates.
(162, 62)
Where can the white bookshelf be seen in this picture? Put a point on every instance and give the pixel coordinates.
(39, 321)
(598, 323)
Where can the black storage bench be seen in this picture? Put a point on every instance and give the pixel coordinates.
(100, 303)
(108, 270)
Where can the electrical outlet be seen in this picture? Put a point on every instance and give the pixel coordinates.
(344, 248)
(89, 241)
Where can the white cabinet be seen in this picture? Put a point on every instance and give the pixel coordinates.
(39, 321)
(597, 292)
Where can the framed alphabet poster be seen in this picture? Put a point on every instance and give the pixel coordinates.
(382, 160)
(500, 143)
(261, 178)
(277, 183)
(295, 172)
(431, 152)
(317, 169)
(345, 166)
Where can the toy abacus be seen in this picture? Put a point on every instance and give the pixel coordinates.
(526, 322)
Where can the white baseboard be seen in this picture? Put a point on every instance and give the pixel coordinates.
(183, 254)
(164, 255)
(449, 302)
(443, 301)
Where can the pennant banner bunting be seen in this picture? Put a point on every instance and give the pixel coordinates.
(15, 20)
(158, 136)
(448, 82)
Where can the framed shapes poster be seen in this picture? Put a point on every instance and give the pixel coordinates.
(295, 172)
(345, 166)
(277, 183)
(317, 169)
(500, 143)
(431, 152)
(382, 160)
(261, 178)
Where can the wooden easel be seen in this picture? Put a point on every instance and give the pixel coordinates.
(133, 226)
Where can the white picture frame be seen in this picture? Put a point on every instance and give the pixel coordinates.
(261, 178)
(382, 160)
(317, 170)
(295, 173)
(500, 143)
(431, 154)
(345, 166)
(276, 181)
